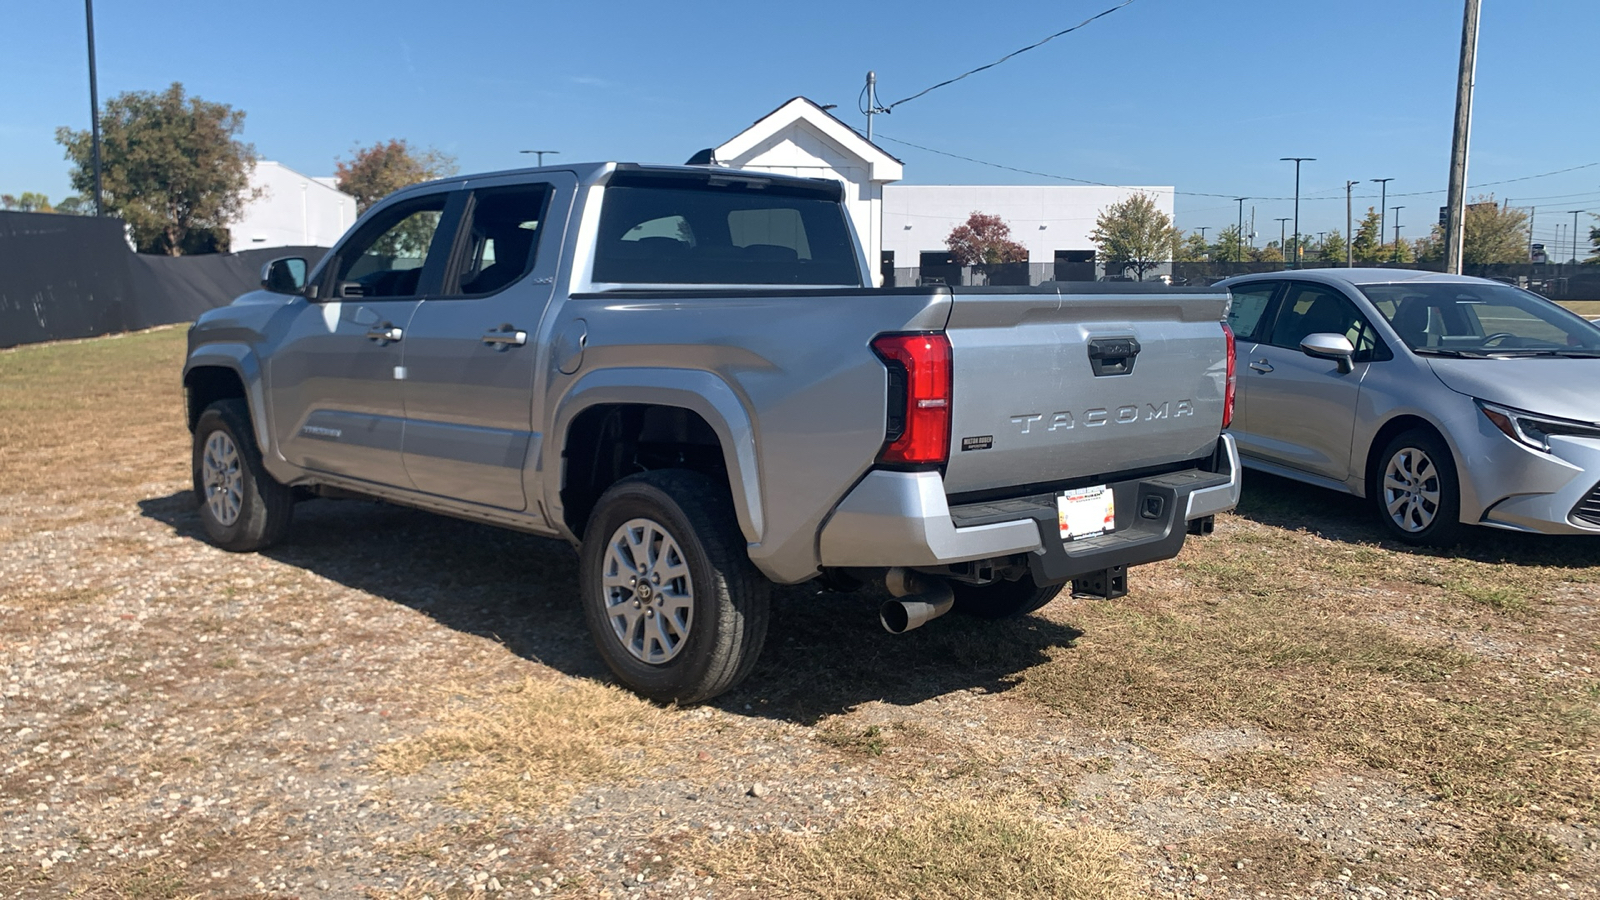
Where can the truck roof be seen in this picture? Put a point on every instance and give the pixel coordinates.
(592, 172)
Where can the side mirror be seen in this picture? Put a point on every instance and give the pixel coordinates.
(1326, 345)
(284, 276)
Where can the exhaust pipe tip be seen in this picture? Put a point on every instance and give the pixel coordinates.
(900, 615)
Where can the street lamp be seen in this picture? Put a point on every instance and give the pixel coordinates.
(1282, 246)
(541, 154)
(1575, 232)
(1397, 231)
(1383, 198)
(1240, 251)
(1297, 160)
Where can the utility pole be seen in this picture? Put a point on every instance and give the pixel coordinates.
(94, 107)
(872, 107)
(1575, 233)
(1319, 242)
(1383, 200)
(1456, 221)
(541, 153)
(1297, 160)
(1397, 231)
(1240, 251)
(1349, 232)
(1531, 211)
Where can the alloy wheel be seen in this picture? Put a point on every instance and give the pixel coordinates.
(649, 594)
(222, 479)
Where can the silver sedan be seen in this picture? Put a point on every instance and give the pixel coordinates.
(1443, 399)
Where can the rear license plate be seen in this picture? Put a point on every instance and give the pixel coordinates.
(1086, 512)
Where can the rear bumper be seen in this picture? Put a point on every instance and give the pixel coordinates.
(903, 519)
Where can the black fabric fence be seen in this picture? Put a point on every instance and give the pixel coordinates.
(74, 276)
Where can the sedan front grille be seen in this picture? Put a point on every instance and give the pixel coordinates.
(1588, 509)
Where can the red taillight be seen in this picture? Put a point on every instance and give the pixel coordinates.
(1233, 377)
(918, 431)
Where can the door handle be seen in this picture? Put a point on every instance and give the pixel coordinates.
(385, 335)
(505, 337)
(1262, 366)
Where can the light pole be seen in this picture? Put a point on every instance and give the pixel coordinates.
(541, 154)
(1283, 246)
(94, 107)
(1240, 251)
(1297, 160)
(1397, 231)
(1383, 199)
(1349, 235)
(1455, 223)
(1575, 232)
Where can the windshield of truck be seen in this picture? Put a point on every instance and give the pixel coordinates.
(696, 229)
(1481, 320)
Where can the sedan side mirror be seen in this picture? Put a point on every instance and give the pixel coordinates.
(284, 276)
(1327, 345)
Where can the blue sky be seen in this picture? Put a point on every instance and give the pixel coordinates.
(1202, 95)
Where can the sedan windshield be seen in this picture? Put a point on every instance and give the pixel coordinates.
(1481, 320)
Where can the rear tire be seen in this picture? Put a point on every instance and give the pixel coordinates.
(1417, 495)
(675, 607)
(1003, 599)
(242, 508)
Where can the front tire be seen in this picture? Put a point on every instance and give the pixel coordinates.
(1003, 599)
(242, 508)
(675, 607)
(1418, 495)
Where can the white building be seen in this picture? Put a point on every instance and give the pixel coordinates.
(905, 226)
(801, 138)
(293, 210)
(1053, 221)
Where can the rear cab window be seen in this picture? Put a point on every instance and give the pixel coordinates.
(663, 229)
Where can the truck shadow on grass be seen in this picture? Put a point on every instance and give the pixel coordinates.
(1282, 503)
(825, 652)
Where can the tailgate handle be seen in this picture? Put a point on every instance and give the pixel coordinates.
(1112, 356)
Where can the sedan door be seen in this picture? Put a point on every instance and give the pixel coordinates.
(335, 389)
(472, 353)
(1302, 410)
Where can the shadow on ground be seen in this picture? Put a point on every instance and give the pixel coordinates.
(825, 653)
(1283, 503)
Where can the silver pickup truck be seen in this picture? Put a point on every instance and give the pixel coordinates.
(683, 372)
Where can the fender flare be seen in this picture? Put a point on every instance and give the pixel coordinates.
(243, 362)
(700, 392)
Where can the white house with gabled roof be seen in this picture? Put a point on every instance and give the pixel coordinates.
(801, 138)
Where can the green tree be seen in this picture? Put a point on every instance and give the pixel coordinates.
(75, 206)
(27, 201)
(1271, 253)
(1333, 245)
(1135, 235)
(1594, 241)
(375, 172)
(984, 239)
(1230, 246)
(172, 168)
(1191, 248)
(1367, 247)
(1494, 235)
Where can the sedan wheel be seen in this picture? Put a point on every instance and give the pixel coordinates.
(1418, 496)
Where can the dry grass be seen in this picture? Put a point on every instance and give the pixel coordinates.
(1583, 307)
(964, 848)
(538, 742)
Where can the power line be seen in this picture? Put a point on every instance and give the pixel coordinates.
(1002, 59)
(1230, 196)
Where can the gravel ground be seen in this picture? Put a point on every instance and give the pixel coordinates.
(316, 721)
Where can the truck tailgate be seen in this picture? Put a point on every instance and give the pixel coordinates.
(1058, 387)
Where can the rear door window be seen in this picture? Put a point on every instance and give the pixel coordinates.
(670, 229)
(1248, 308)
(500, 239)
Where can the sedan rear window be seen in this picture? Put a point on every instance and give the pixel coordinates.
(722, 229)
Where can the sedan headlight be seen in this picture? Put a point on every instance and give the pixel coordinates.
(1534, 430)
